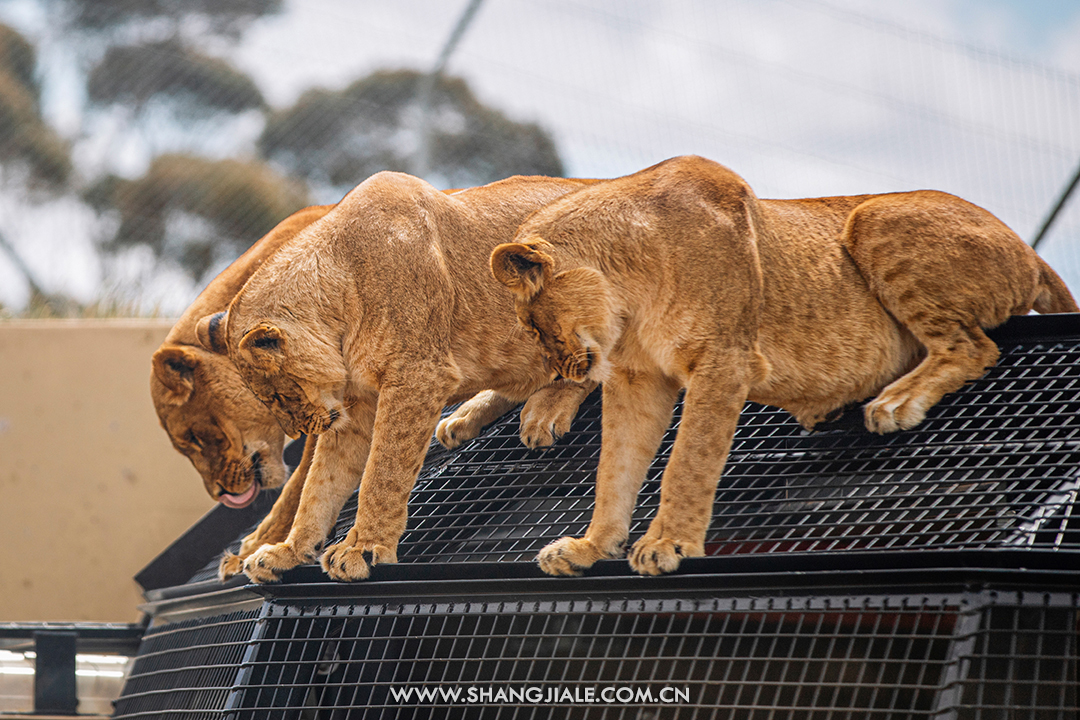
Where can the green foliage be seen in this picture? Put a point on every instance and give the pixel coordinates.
(343, 137)
(133, 74)
(227, 16)
(17, 59)
(24, 136)
(240, 201)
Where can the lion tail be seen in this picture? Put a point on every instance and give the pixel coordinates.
(1054, 295)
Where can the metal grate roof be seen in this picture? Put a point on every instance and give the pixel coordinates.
(924, 574)
(995, 466)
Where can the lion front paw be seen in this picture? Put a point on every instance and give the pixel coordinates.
(267, 564)
(890, 412)
(454, 431)
(230, 566)
(352, 560)
(569, 556)
(651, 556)
(540, 431)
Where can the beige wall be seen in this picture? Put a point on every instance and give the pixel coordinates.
(91, 489)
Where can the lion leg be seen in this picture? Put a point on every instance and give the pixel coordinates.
(714, 398)
(636, 414)
(471, 417)
(549, 411)
(404, 422)
(954, 355)
(276, 525)
(336, 468)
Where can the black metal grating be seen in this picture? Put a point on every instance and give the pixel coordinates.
(984, 655)
(1023, 658)
(925, 574)
(994, 466)
(188, 669)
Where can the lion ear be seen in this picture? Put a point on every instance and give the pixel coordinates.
(521, 268)
(175, 368)
(264, 346)
(211, 333)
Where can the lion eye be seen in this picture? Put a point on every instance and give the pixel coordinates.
(193, 439)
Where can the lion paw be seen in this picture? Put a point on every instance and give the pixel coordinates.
(658, 556)
(454, 431)
(348, 561)
(230, 566)
(569, 556)
(267, 564)
(888, 413)
(539, 431)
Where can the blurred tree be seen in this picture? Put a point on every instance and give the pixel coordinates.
(133, 74)
(25, 137)
(194, 211)
(223, 17)
(337, 139)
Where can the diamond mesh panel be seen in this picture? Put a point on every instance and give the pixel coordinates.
(187, 669)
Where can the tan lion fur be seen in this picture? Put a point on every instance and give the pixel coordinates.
(211, 418)
(231, 438)
(679, 278)
(362, 329)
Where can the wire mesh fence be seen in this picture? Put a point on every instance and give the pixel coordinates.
(144, 145)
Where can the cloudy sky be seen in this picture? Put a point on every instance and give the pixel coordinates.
(803, 97)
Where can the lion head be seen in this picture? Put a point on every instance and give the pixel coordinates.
(232, 440)
(296, 375)
(570, 313)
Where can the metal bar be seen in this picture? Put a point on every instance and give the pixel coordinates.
(1057, 208)
(54, 673)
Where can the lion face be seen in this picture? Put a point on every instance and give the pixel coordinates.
(232, 440)
(570, 314)
(297, 376)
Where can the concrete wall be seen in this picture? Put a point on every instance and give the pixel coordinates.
(91, 489)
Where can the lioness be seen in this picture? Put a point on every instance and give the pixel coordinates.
(362, 329)
(678, 277)
(233, 440)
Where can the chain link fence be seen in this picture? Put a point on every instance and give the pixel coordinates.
(145, 144)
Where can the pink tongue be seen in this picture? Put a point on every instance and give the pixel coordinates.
(239, 501)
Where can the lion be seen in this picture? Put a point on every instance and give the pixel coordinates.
(678, 279)
(233, 441)
(362, 329)
(236, 444)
